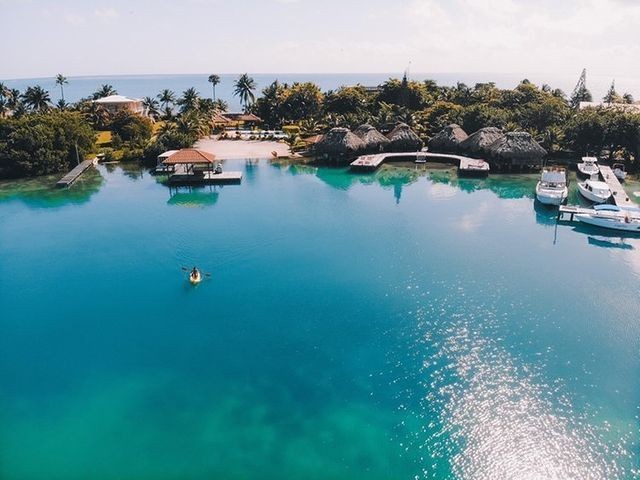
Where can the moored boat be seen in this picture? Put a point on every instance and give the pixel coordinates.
(552, 188)
(595, 191)
(612, 217)
(588, 167)
(619, 171)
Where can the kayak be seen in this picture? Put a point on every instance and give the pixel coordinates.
(194, 279)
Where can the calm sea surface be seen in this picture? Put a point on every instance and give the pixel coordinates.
(381, 326)
(149, 85)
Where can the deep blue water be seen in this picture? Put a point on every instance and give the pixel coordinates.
(374, 326)
(150, 85)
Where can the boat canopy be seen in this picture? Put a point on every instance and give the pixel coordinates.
(554, 176)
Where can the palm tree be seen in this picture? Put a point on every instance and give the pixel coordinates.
(13, 98)
(62, 105)
(151, 104)
(36, 98)
(4, 91)
(61, 80)
(214, 80)
(189, 100)
(220, 105)
(243, 89)
(104, 91)
(166, 97)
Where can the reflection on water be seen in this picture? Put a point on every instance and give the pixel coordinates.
(486, 414)
(607, 243)
(41, 192)
(193, 197)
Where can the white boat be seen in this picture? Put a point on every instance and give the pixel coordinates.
(552, 188)
(589, 167)
(612, 217)
(619, 171)
(595, 191)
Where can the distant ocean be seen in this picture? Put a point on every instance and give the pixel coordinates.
(150, 85)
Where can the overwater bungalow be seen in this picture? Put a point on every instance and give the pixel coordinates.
(340, 145)
(517, 149)
(448, 139)
(403, 139)
(373, 140)
(478, 143)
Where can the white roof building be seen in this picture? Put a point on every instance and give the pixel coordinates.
(117, 103)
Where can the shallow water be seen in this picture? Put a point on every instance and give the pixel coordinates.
(382, 326)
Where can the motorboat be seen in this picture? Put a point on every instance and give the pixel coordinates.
(552, 188)
(589, 167)
(619, 171)
(613, 217)
(594, 190)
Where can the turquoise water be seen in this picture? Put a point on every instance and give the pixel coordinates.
(388, 326)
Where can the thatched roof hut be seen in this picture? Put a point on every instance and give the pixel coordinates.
(372, 139)
(480, 141)
(448, 139)
(403, 139)
(339, 142)
(517, 148)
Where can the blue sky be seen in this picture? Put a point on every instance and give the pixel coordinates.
(42, 38)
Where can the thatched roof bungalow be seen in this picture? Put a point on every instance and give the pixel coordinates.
(480, 141)
(403, 139)
(448, 139)
(373, 140)
(517, 148)
(339, 143)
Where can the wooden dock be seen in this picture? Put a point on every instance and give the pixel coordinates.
(571, 210)
(619, 195)
(465, 164)
(208, 178)
(74, 174)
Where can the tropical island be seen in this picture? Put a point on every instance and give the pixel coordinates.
(37, 137)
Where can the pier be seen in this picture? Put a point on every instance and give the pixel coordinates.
(206, 178)
(465, 164)
(619, 196)
(74, 174)
(571, 210)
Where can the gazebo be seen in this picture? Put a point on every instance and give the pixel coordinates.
(189, 164)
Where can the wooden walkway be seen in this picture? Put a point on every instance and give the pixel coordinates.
(620, 197)
(572, 210)
(74, 174)
(208, 178)
(373, 162)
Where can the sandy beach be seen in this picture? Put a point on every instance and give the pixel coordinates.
(237, 149)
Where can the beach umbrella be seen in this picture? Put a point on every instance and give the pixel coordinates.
(403, 139)
(448, 139)
(517, 148)
(480, 141)
(373, 140)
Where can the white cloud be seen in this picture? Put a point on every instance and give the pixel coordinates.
(106, 13)
(74, 19)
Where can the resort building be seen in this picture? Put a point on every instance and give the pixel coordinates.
(118, 103)
(235, 120)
